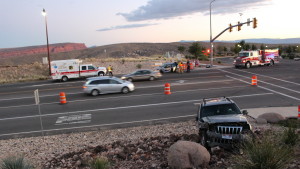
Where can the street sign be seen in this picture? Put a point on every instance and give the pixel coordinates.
(248, 22)
(36, 97)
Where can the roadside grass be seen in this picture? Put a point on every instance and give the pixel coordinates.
(15, 162)
(99, 163)
(274, 150)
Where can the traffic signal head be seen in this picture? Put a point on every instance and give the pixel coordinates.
(230, 28)
(239, 26)
(254, 23)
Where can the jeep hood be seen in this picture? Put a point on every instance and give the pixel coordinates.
(225, 118)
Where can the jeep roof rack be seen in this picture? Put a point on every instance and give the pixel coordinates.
(216, 99)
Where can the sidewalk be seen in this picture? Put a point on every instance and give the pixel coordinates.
(284, 111)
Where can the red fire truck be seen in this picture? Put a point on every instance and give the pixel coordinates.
(251, 58)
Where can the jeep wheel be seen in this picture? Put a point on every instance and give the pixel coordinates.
(203, 138)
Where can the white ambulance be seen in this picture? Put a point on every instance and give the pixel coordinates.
(67, 69)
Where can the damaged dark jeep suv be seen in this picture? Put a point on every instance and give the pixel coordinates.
(221, 123)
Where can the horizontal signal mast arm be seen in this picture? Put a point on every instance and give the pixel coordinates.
(229, 28)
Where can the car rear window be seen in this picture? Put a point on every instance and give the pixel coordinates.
(96, 82)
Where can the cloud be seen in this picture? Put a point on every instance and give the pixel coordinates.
(166, 9)
(125, 27)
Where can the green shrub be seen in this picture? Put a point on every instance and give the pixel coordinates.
(100, 163)
(139, 66)
(15, 163)
(266, 153)
(290, 137)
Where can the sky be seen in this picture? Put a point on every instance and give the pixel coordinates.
(104, 22)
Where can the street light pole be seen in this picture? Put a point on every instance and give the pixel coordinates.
(211, 43)
(45, 15)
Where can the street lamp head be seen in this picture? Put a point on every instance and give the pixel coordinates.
(44, 12)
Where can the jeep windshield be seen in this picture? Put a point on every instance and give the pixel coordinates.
(223, 109)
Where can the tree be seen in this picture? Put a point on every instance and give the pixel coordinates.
(253, 47)
(262, 47)
(196, 50)
(181, 49)
(237, 48)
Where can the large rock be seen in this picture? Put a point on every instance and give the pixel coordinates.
(186, 154)
(271, 117)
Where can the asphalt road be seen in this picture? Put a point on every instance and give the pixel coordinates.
(278, 86)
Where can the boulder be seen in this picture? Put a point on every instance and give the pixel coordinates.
(186, 154)
(271, 117)
(261, 121)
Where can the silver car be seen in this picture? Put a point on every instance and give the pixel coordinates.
(142, 75)
(105, 84)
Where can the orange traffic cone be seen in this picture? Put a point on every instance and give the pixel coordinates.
(254, 80)
(299, 112)
(63, 99)
(167, 88)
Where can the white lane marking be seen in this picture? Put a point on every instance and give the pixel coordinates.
(125, 107)
(264, 82)
(118, 97)
(154, 86)
(268, 89)
(61, 83)
(101, 125)
(270, 77)
(73, 119)
(191, 83)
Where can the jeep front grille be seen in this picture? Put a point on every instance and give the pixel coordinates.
(229, 129)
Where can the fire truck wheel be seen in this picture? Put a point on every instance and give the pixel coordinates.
(248, 65)
(64, 78)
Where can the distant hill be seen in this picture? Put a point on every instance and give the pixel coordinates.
(120, 50)
(30, 50)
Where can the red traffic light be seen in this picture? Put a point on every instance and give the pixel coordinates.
(230, 28)
(239, 26)
(254, 23)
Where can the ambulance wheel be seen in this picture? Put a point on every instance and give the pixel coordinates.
(64, 78)
(248, 65)
(101, 74)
